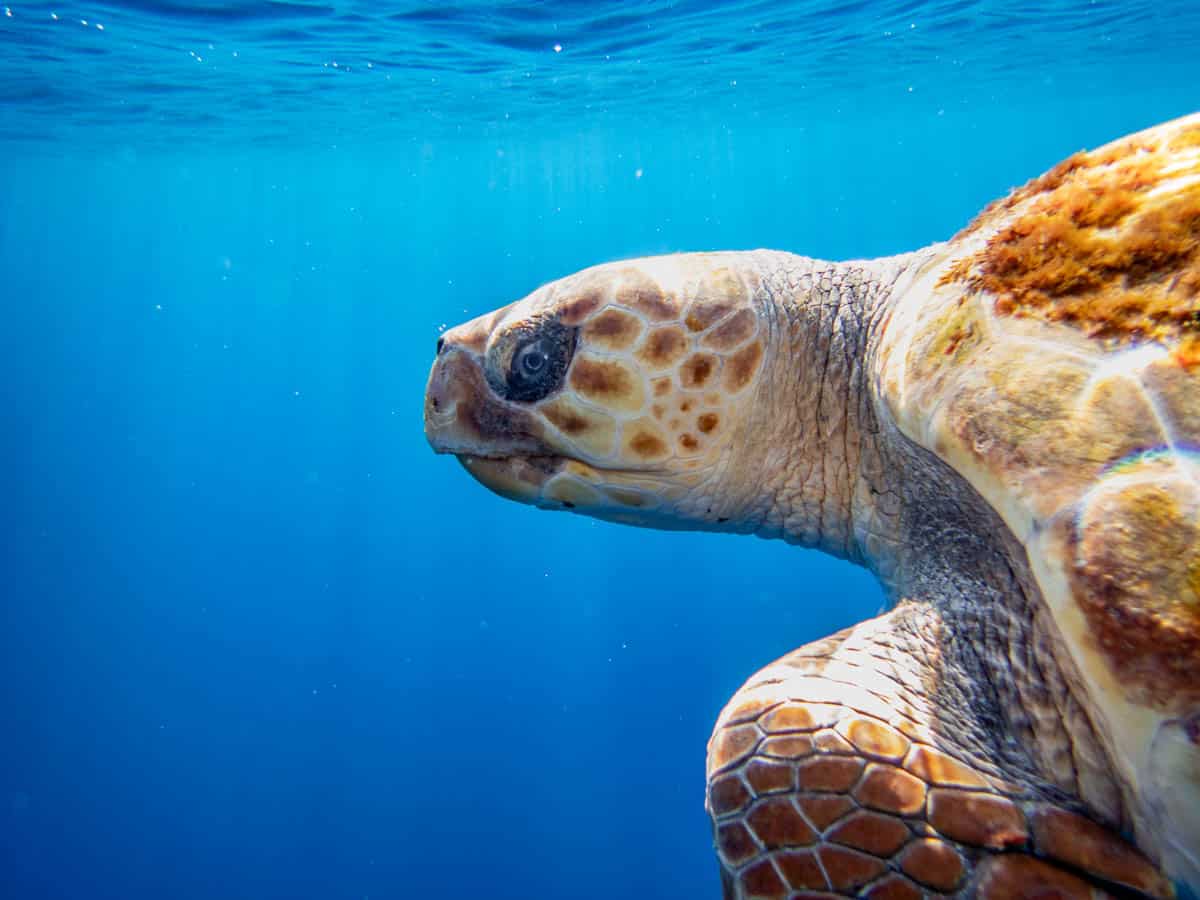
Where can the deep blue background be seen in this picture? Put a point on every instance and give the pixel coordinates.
(255, 639)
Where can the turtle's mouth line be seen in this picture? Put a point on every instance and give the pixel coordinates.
(546, 463)
(549, 464)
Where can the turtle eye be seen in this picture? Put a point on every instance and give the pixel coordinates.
(530, 361)
(537, 364)
(529, 371)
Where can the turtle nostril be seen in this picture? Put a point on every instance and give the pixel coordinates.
(441, 344)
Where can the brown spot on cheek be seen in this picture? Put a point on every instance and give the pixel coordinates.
(612, 329)
(707, 422)
(602, 380)
(566, 420)
(645, 440)
(742, 366)
(647, 445)
(662, 387)
(696, 371)
(687, 442)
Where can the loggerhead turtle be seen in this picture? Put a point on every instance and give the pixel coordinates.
(1004, 427)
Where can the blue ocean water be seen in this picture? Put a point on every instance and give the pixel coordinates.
(256, 640)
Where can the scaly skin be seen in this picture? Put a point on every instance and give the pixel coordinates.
(966, 743)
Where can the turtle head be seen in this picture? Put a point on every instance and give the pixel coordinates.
(618, 392)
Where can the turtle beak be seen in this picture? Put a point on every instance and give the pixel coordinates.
(498, 442)
(462, 412)
(451, 389)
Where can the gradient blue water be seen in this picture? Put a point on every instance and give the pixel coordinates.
(256, 640)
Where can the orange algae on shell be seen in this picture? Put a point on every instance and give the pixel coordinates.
(1102, 242)
(1188, 137)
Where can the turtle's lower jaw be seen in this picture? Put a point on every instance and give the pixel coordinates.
(520, 478)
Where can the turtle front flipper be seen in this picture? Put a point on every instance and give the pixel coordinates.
(835, 771)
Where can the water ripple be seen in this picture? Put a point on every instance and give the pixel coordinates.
(318, 68)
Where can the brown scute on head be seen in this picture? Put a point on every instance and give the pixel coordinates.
(707, 422)
(663, 347)
(612, 330)
(688, 442)
(695, 372)
(733, 333)
(576, 310)
(1098, 249)
(640, 293)
(719, 293)
(606, 382)
(705, 311)
(662, 386)
(741, 367)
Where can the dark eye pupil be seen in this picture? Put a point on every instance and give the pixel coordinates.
(533, 360)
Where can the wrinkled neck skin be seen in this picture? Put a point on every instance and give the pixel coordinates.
(827, 468)
(821, 479)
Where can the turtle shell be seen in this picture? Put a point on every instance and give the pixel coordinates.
(1050, 353)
